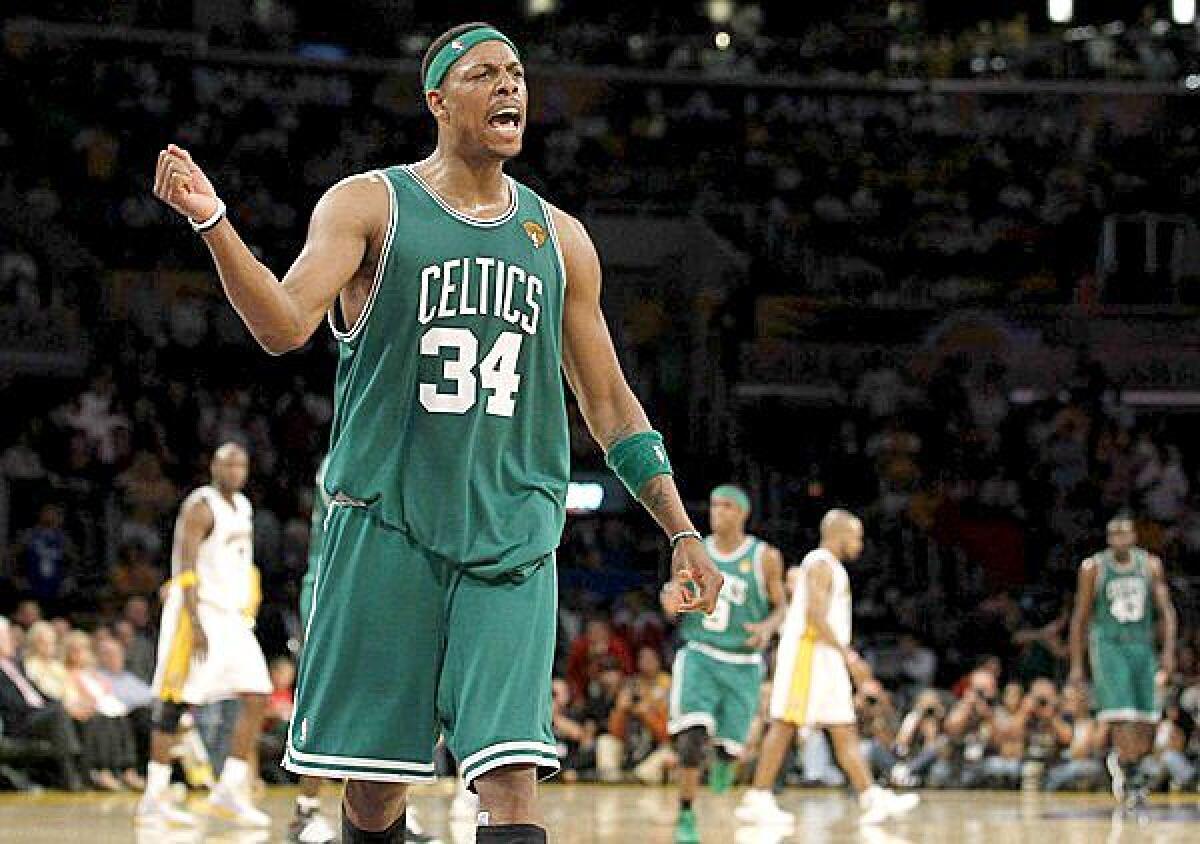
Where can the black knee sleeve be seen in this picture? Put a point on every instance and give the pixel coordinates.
(516, 833)
(351, 834)
(165, 715)
(692, 746)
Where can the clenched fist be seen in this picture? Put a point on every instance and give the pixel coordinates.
(180, 183)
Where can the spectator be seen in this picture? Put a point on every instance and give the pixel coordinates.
(576, 738)
(43, 661)
(597, 642)
(1083, 765)
(47, 555)
(108, 747)
(27, 613)
(1044, 732)
(283, 681)
(599, 701)
(639, 719)
(137, 637)
(1169, 762)
(920, 740)
(26, 714)
(970, 727)
(877, 722)
(128, 688)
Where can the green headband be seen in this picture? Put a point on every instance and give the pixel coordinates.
(456, 48)
(729, 492)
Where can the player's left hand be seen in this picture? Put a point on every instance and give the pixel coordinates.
(695, 582)
(760, 634)
(860, 670)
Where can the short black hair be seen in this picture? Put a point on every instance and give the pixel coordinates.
(444, 39)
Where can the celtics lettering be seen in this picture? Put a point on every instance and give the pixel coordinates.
(481, 286)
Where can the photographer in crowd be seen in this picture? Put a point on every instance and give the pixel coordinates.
(920, 741)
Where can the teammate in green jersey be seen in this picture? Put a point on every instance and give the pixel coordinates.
(719, 670)
(1122, 602)
(458, 298)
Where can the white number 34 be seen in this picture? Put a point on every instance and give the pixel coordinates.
(497, 372)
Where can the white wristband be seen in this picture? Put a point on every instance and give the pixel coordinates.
(201, 228)
(685, 534)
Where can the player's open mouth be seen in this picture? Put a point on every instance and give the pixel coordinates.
(507, 120)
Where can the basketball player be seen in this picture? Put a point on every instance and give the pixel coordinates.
(206, 648)
(718, 672)
(456, 296)
(812, 679)
(1121, 599)
(308, 825)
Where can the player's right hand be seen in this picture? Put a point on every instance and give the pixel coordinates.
(180, 183)
(695, 582)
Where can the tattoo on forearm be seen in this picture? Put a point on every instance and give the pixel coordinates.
(654, 496)
(623, 430)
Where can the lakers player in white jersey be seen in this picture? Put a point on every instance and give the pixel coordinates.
(207, 650)
(812, 684)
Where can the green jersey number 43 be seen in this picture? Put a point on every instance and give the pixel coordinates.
(497, 372)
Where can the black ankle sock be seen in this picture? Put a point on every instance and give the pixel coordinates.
(685, 804)
(351, 834)
(514, 833)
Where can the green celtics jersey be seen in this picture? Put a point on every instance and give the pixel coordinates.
(449, 415)
(1123, 609)
(743, 599)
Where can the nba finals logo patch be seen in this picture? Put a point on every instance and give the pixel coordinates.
(536, 233)
(457, 46)
(745, 566)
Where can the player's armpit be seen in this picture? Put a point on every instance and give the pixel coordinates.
(340, 232)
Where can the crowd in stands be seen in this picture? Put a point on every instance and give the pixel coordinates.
(75, 712)
(856, 194)
(858, 40)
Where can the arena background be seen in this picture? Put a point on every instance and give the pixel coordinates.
(936, 263)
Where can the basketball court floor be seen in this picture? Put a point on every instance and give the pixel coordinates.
(583, 814)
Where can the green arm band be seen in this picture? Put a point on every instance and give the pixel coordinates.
(638, 458)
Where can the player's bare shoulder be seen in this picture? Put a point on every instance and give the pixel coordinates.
(361, 201)
(1155, 566)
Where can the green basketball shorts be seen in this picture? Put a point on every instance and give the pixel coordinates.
(716, 690)
(403, 646)
(1123, 680)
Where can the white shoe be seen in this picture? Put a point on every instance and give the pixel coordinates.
(1117, 773)
(161, 811)
(465, 806)
(312, 828)
(231, 805)
(760, 809)
(880, 804)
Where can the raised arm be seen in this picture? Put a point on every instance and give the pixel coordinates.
(1167, 620)
(1085, 595)
(615, 416)
(281, 316)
